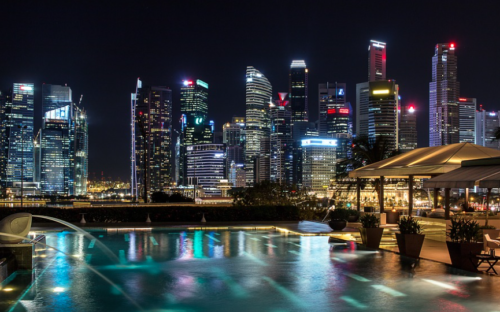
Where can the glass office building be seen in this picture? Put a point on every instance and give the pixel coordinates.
(18, 125)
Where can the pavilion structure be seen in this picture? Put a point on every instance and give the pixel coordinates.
(421, 163)
(483, 173)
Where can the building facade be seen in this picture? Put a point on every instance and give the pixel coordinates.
(444, 90)
(487, 124)
(206, 167)
(257, 122)
(319, 164)
(467, 119)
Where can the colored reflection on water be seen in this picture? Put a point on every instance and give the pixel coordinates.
(238, 271)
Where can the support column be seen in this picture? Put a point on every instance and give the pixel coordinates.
(436, 194)
(488, 202)
(447, 203)
(410, 194)
(381, 194)
(466, 198)
(358, 193)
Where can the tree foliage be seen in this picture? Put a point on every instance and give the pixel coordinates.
(269, 193)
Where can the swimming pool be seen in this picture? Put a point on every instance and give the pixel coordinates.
(231, 270)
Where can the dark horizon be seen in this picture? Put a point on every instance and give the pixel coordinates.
(100, 50)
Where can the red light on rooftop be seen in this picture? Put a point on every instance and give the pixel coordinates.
(452, 45)
(462, 99)
(411, 109)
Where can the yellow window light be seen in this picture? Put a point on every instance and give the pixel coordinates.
(385, 91)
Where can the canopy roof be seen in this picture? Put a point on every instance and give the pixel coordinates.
(426, 161)
(484, 173)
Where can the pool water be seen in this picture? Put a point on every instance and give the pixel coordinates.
(238, 271)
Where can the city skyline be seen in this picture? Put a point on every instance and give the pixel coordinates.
(105, 71)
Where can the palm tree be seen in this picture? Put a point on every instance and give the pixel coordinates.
(365, 151)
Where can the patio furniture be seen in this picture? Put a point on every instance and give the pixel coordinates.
(491, 244)
(488, 259)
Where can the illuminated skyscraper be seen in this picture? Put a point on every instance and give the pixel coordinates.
(298, 93)
(5, 97)
(234, 138)
(444, 91)
(407, 127)
(63, 144)
(19, 134)
(281, 141)
(195, 128)
(153, 138)
(257, 127)
(486, 125)
(81, 143)
(57, 152)
(376, 60)
(332, 108)
(377, 111)
(206, 166)
(467, 114)
(319, 164)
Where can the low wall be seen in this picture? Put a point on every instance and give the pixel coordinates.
(117, 214)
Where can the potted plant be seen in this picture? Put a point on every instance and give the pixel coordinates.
(463, 245)
(409, 238)
(338, 219)
(353, 215)
(371, 233)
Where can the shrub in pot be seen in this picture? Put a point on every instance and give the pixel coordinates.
(338, 219)
(463, 245)
(409, 238)
(353, 215)
(371, 233)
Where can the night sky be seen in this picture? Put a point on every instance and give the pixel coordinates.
(99, 49)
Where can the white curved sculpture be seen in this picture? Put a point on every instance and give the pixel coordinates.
(17, 224)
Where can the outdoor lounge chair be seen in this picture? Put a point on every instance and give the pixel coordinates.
(491, 243)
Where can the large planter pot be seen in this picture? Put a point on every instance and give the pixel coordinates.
(371, 237)
(392, 217)
(337, 224)
(353, 219)
(462, 254)
(410, 244)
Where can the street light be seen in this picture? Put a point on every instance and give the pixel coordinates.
(22, 161)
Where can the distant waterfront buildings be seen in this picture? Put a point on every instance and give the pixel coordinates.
(444, 92)
(257, 123)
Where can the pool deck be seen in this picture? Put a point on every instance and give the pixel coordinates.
(434, 247)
